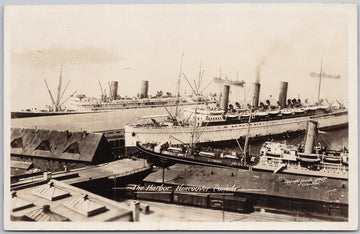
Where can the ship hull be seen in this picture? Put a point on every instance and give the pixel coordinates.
(208, 134)
(165, 160)
(30, 114)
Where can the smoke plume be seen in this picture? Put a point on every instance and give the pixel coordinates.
(258, 70)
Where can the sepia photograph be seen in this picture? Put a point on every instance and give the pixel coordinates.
(206, 116)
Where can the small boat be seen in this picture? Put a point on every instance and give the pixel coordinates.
(286, 112)
(261, 114)
(275, 112)
(332, 159)
(299, 111)
(308, 159)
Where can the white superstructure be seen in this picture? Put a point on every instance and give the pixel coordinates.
(214, 125)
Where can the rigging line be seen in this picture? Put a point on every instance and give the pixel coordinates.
(64, 89)
(51, 96)
(239, 144)
(177, 139)
(196, 88)
(189, 83)
(298, 139)
(201, 132)
(189, 117)
(206, 86)
(325, 141)
(67, 98)
(198, 85)
(169, 112)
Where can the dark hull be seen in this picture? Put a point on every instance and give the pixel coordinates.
(29, 114)
(165, 160)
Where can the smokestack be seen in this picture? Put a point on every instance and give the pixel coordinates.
(225, 97)
(310, 137)
(283, 93)
(255, 101)
(113, 89)
(144, 89)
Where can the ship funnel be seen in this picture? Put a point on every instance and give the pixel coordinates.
(256, 88)
(310, 136)
(113, 89)
(225, 97)
(283, 93)
(144, 89)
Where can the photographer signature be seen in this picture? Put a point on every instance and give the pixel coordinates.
(305, 182)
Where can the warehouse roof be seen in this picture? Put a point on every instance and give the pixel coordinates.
(79, 146)
(36, 203)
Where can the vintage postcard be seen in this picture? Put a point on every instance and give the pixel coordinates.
(181, 117)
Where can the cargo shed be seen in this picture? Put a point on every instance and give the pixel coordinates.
(55, 150)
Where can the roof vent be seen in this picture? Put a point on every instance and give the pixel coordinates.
(50, 192)
(46, 208)
(85, 206)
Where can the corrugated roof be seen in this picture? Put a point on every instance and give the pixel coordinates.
(56, 144)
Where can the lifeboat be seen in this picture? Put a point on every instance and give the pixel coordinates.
(275, 112)
(261, 114)
(314, 108)
(332, 159)
(243, 116)
(286, 112)
(323, 107)
(308, 158)
(299, 111)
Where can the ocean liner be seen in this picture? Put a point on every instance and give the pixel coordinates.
(80, 104)
(115, 102)
(230, 123)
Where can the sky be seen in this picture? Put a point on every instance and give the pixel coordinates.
(130, 43)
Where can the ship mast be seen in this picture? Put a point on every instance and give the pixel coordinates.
(178, 87)
(57, 107)
(322, 75)
(194, 129)
(248, 131)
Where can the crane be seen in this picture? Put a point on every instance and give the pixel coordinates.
(102, 92)
(59, 90)
(60, 93)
